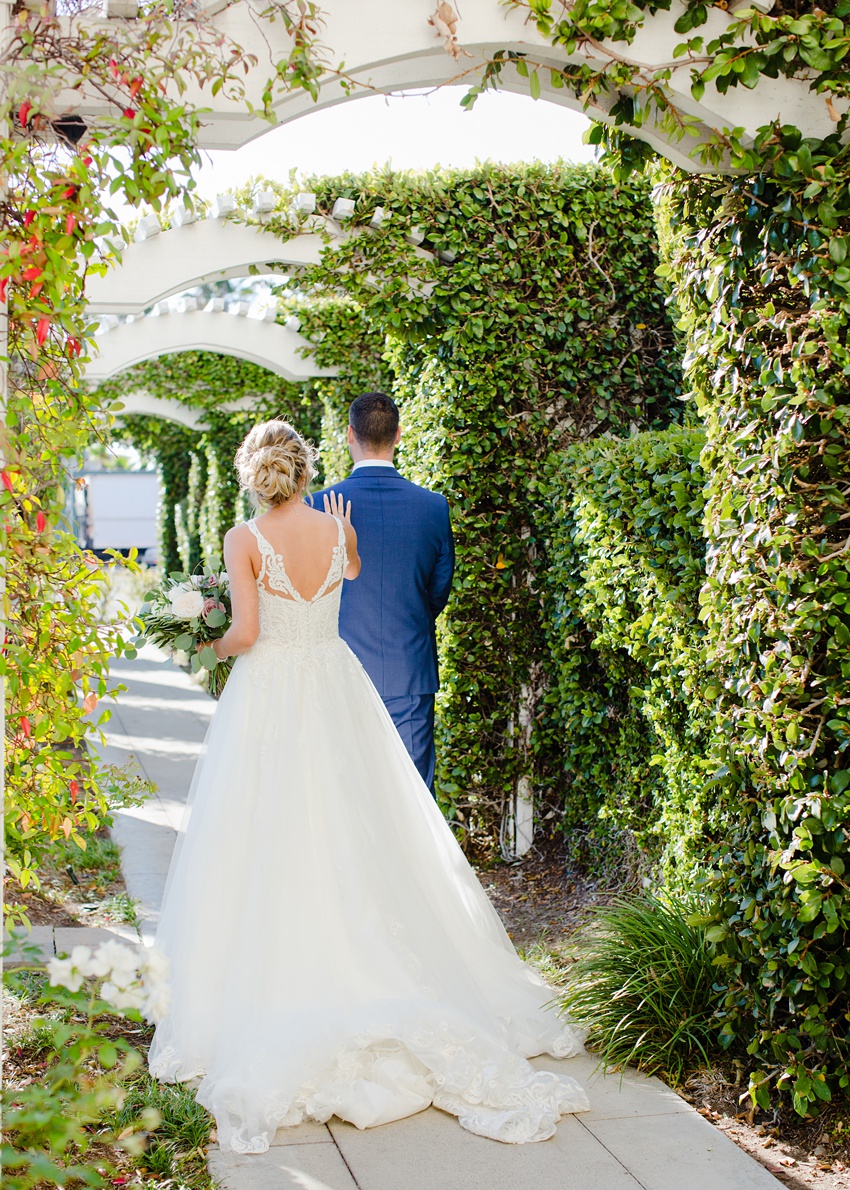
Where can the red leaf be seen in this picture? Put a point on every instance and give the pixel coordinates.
(7, 480)
(32, 273)
(135, 87)
(87, 161)
(40, 522)
(42, 329)
(24, 113)
(4, 283)
(74, 790)
(36, 289)
(129, 114)
(113, 68)
(26, 726)
(70, 223)
(73, 347)
(28, 218)
(69, 192)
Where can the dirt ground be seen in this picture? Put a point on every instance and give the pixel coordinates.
(76, 891)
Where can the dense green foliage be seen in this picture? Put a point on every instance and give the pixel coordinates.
(547, 326)
(765, 304)
(643, 986)
(627, 704)
(542, 324)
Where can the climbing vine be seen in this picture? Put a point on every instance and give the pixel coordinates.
(60, 165)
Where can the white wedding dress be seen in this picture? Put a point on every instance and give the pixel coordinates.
(332, 952)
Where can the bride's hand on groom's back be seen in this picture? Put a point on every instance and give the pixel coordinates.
(336, 506)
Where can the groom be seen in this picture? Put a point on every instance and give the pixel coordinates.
(404, 539)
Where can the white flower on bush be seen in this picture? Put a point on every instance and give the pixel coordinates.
(131, 979)
(186, 604)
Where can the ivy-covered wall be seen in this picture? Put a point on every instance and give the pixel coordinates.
(537, 321)
(627, 706)
(764, 297)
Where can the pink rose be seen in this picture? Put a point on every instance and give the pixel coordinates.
(211, 605)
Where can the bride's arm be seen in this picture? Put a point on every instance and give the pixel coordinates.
(244, 599)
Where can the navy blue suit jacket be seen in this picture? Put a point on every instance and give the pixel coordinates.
(387, 614)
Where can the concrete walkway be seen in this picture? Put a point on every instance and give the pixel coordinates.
(639, 1133)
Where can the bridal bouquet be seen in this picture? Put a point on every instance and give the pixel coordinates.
(185, 614)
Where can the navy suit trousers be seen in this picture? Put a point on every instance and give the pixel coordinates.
(413, 716)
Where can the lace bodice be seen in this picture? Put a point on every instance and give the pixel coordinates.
(287, 619)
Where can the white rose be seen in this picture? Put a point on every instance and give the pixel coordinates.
(154, 965)
(119, 962)
(81, 960)
(185, 605)
(121, 998)
(64, 974)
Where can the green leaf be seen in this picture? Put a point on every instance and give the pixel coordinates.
(208, 658)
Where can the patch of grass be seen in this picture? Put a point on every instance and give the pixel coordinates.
(643, 986)
(102, 857)
(552, 964)
(176, 1148)
(122, 907)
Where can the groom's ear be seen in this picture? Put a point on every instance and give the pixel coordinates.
(397, 435)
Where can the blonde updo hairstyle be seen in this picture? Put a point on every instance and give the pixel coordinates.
(274, 463)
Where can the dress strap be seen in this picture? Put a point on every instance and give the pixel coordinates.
(340, 541)
(265, 549)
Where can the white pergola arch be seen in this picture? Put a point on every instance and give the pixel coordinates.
(204, 251)
(278, 348)
(141, 402)
(388, 46)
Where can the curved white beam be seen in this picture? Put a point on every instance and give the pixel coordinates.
(146, 404)
(208, 250)
(277, 348)
(141, 402)
(388, 45)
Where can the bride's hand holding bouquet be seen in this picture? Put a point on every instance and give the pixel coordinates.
(187, 613)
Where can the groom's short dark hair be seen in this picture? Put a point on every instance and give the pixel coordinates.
(374, 419)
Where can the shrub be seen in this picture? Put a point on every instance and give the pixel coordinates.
(766, 310)
(643, 986)
(627, 704)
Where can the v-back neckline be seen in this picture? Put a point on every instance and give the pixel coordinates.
(268, 552)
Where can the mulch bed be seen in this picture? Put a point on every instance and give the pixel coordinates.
(69, 896)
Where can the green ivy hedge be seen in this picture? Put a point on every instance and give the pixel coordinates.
(536, 321)
(765, 305)
(627, 706)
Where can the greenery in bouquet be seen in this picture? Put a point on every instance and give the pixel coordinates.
(185, 614)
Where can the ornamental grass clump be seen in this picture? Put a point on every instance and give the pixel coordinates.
(643, 987)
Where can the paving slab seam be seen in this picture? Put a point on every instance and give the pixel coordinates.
(344, 1160)
(601, 1142)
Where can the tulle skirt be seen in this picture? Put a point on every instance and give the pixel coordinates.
(332, 952)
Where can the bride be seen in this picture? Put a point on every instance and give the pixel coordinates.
(332, 952)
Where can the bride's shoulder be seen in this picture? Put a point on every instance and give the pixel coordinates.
(239, 536)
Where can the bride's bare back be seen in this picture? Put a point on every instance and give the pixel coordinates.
(305, 539)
